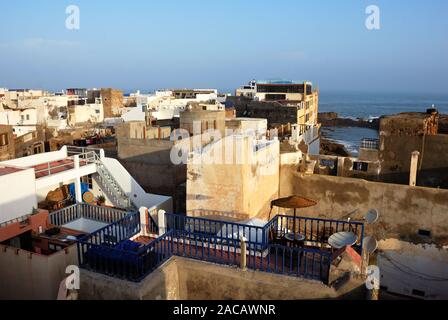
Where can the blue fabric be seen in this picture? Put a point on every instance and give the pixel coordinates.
(128, 246)
(84, 189)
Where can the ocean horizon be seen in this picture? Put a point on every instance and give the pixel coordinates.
(358, 105)
(371, 106)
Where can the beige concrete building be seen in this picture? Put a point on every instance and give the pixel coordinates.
(234, 178)
(7, 148)
(113, 102)
(301, 96)
(199, 117)
(257, 127)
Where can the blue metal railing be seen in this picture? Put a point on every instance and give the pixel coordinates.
(115, 233)
(224, 232)
(127, 260)
(315, 230)
(103, 252)
(217, 242)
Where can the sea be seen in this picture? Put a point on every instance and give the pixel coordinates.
(369, 106)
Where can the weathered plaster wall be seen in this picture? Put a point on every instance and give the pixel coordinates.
(404, 210)
(395, 157)
(148, 161)
(25, 275)
(231, 188)
(186, 279)
(162, 284)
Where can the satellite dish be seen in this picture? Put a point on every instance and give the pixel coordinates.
(372, 216)
(71, 238)
(370, 244)
(342, 239)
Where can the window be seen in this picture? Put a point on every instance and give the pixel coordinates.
(274, 97)
(4, 140)
(361, 166)
(424, 233)
(97, 111)
(27, 117)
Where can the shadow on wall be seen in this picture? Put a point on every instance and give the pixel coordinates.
(155, 172)
(407, 213)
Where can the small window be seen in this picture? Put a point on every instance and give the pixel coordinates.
(27, 117)
(360, 166)
(418, 293)
(424, 233)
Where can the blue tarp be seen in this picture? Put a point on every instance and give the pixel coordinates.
(84, 189)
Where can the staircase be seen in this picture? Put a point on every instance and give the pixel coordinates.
(112, 188)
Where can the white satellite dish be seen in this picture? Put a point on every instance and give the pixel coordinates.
(342, 239)
(372, 216)
(370, 244)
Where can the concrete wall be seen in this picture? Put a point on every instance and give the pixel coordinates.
(395, 156)
(207, 119)
(345, 167)
(134, 191)
(17, 195)
(93, 113)
(232, 188)
(38, 159)
(185, 279)
(7, 148)
(246, 125)
(25, 275)
(149, 162)
(404, 210)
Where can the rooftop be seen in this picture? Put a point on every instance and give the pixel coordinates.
(280, 82)
(8, 170)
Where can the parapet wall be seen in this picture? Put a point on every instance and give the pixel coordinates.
(186, 279)
(404, 210)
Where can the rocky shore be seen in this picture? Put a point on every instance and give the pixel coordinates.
(331, 119)
(330, 148)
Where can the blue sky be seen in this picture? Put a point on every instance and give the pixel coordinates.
(222, 44)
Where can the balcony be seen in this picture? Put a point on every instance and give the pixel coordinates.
(220, 242)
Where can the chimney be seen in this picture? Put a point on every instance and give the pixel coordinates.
(413, 170)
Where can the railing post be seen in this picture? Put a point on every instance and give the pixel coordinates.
(143, 219)
(162, 222)
(243, 262)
